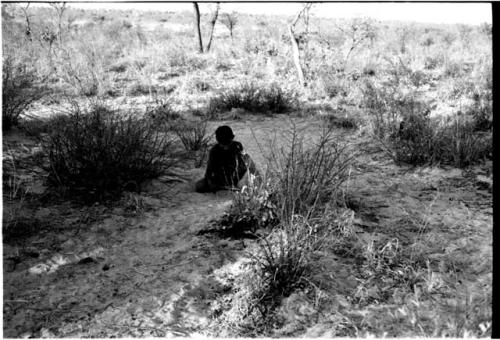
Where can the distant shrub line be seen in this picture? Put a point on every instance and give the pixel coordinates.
(252, 97)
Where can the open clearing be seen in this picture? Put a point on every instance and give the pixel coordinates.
(107, 117)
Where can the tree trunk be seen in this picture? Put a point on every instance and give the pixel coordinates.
(296, 55)
(212, 23)
(197, 26)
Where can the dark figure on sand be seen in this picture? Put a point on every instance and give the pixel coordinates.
(228, 165)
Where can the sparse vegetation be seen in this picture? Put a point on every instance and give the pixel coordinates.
(338, 237)
(401, 122)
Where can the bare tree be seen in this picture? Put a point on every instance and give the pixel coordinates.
(358, 31)
(213, 20)
(60, 8)
(295, 40)
(197, 26)
(230, 20)
(27, 16)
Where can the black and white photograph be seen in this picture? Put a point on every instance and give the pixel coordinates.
(247, 169)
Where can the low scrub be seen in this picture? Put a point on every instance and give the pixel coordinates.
(425, 141)
(99, 152)
(162, 113)
(193, 134)
(14, 196)
(19, 92)
(402, 124)
(342, 122)
(251, 209)
(285, 261)
(253, 97)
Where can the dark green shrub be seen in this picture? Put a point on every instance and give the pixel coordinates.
(99, 152)
(253, 98)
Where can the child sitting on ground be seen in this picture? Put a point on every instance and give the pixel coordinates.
(228, 166)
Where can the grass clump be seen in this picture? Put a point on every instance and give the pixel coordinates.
(14, 196)
(99, 152)
(253, 98)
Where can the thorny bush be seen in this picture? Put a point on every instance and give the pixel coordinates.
(305, 176)
(19, 92)
(99, 152)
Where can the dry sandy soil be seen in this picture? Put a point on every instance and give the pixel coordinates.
(141, 268)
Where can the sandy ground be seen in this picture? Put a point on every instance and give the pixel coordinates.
(110, 272)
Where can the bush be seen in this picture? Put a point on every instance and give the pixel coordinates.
(425, 141)
(99, 152)
(335, 87)
(343, 122)
(415, 142)
(193, 134)
(252, 98)
(284, 260)
(14, 196)
(138, 89)
(463, 145)
(162, 112)
(250, 210)
(304, 177)
(402, 124)
(18, 92)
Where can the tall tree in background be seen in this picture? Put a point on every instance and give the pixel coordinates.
(60, 8)
(213, 20)
(197, 25)
(304, 13)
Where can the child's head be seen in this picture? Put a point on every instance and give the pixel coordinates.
(224, 135)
